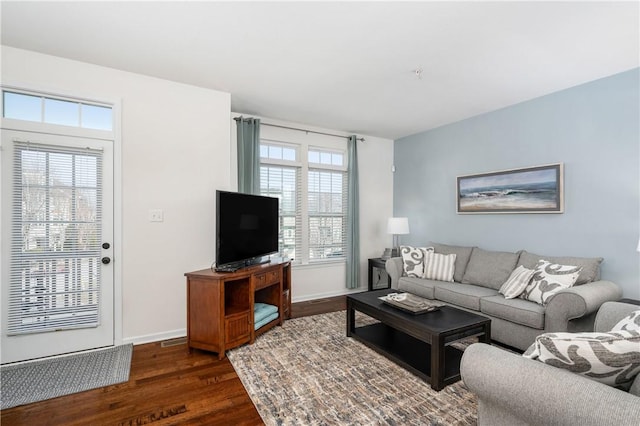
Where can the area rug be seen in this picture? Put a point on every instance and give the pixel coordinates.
(34, 381)
(308, 372)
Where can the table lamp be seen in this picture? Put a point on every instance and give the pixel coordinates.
(395, 226)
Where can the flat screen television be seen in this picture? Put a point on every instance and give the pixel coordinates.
(246, 229)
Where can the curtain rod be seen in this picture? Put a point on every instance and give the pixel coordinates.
(300, 130)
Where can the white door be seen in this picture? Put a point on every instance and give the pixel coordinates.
(57, 243)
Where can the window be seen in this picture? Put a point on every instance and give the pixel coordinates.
(326, 204)
(55, 255)
(311, 184)
(282, 182)
(28, 107)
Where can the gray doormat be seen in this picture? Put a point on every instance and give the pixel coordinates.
(38, 380)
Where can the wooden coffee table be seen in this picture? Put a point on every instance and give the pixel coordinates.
(420, 343)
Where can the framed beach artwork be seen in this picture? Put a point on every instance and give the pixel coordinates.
(527, 190)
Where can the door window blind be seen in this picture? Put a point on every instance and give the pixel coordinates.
(56, 238)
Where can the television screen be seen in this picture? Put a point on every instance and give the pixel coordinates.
(246, 229)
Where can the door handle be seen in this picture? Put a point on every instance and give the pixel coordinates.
(106, 260)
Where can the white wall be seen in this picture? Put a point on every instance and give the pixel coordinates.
(175, 153)
(375, 159)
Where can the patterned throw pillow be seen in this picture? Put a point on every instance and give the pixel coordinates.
(413, 260)
(611, 358)
(629, 323)
(516, 283)
(548, 279)
(439, 266)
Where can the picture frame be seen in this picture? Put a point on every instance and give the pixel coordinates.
(536, 189)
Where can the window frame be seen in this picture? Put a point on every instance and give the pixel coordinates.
(304, 166)
(60, 129)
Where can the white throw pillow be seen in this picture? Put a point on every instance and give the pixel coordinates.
(517, 282)
(611, 358)
(629, 323)
(439, 266)
(413, 260)
(548, 279)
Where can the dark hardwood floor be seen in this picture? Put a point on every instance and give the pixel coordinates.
(167, 386)
(318, 306)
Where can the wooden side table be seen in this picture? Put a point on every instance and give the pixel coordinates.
(378, 277)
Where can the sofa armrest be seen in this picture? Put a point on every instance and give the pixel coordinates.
(610, 313)
(394, 268)
(577, 302)
(512, 389)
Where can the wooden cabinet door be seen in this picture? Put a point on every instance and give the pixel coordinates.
(237, 329)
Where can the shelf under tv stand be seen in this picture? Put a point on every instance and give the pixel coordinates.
(220, 305)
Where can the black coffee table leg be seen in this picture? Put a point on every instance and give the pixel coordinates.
(437, 362)
(486, 337)
(351, 318)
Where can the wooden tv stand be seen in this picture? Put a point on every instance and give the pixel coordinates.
(220, 304)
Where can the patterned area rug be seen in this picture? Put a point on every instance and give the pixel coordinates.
(49, 378)
(308, 372)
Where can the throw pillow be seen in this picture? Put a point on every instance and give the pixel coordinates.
(590, 265)
(413, 260)
(629, 323)
(516, 283)
(548, 279)
(439, 266)
(611, 358)
(462, 257)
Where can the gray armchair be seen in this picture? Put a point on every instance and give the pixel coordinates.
(513, 390)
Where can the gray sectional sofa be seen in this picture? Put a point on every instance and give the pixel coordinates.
(479, 274)
(543, 394)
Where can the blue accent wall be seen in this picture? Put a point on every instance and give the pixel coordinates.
(594, 129)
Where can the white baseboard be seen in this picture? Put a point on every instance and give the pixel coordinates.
(156, 337)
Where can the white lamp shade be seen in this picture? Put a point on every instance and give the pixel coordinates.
(638, 246)
(398, 225)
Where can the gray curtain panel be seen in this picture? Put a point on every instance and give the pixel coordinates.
(353, 217)
(248, 155)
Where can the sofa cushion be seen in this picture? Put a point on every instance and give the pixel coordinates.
(462, 257)
(548, 279)
(439, 266)
(517, 282)
(464, 295)
(590, 265)
(489, 268)
(418, 286)
(611, 358)
(413, 260)
(635, 386)
(518, 311)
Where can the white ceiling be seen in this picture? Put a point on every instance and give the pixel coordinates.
(345, 65)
